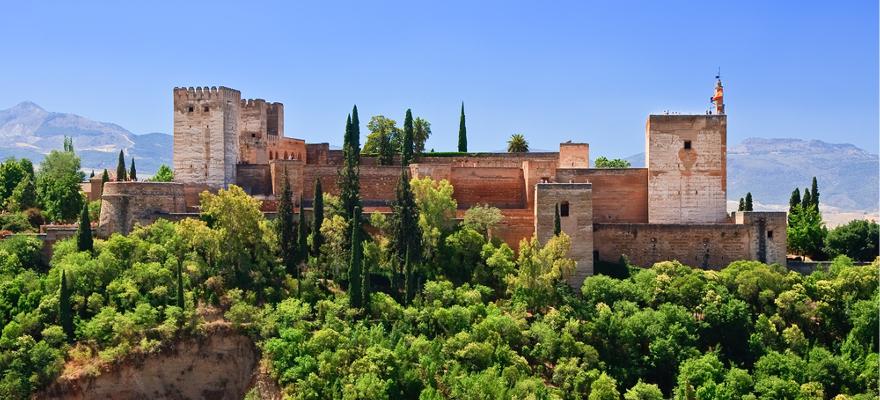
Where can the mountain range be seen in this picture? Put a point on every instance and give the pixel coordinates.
(768, 168)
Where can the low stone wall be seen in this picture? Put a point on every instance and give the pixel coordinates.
(125, 204)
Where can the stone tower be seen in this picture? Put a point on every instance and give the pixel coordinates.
(686, 156)
(206, 135)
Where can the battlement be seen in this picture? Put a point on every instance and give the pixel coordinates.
(206, 93)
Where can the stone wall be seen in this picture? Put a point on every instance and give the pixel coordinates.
(518, 224)
(687, 164)
(252, 131)
(768, 236)
(206, 135)
(619, 195)
(125, 204)
(499, 187)
(578, 224)
(294, 172)
(574, 155)
(254, 179)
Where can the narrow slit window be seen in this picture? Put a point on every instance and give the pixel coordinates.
(191, 108)
(769, 234)
(687, 144)
(563, 209)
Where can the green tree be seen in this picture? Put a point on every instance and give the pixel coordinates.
(287, 241)
(482, 218)
(557, 222)
(436, 206)
(462, 132)
(643, 391)
(179, 275)
(794, 200)
(604, 388)
(120, 168)
(24, 195)
(384, 133)
(302, 247)
(355, 133)
(604, 162)
(742, 205)
(857, 239)
(806, 233)
(105, 177)
(406, 146)
(132, 174)
(317, 219)
(814, 192)
(748, 203)
(58, 186)
(163, 174)
(11, 173)
(517, 144)
(349, 174)
(355, 266)
(84, 240)
(92, 175)
(807, 200)
(386, 149)
(421, 133)
(407, 234)
(65, 313)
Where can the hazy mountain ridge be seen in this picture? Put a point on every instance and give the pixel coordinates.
(28, 130)
(769, 168)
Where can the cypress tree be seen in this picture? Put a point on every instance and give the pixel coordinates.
(408, 283)
(355, 277)
(557, 222)
(65, 314)
(365, 278)
(814, 193)
(407, 236)
(355, 132)
(462, 132)
(748, 203)
(349, 180)
(105, 177)
(120, 168)
(317, 219)
(132, 175)
(92, 175)
(84, 241)
(795, 200)
(807, 200)
(406, 153)
(286, 230)
(742, 205)
(302, 248)
(180, 299)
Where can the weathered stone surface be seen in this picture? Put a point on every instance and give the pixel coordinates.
(578, 224)
(125, 204)
(206, 142)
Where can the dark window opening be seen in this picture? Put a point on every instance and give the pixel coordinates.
(563, 209)
(769, 234)
(191, 108)
(205, 109)
(687, 144)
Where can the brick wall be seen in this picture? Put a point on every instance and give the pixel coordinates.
(574, 155)
(254, 178)
(619, 195)
(499, 187)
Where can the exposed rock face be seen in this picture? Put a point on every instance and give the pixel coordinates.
(218, 366)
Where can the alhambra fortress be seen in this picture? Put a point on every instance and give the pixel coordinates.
(673, 209)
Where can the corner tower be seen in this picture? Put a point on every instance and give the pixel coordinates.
(206, 135)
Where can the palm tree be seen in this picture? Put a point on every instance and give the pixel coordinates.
(517, 144)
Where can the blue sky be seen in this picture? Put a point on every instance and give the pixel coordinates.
(553, 71)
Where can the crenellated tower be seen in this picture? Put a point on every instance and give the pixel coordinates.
(206, 135)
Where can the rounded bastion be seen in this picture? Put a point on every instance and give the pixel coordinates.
(126, 204)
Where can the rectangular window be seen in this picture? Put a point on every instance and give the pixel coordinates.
(563, 209)
(191, 108)
(769, 234)
(687, 144)
(205, 109)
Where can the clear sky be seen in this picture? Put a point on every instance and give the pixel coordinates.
(553, 71)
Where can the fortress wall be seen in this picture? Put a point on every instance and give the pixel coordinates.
(517, 224)
(284, 148)
(328, 175)
(574, 155)
(535, 171)
(125, 204)
(294, 171)
(578, 224)
(435, 171)
(698, 245)
(619, 194)
(317, 153)
(768, 234)
(252, 127)
(496, 186)
(206, 135)
(255, 179)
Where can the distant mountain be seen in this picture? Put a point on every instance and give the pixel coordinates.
(28, 130)
(771, 168)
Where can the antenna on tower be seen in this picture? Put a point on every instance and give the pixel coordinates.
(718, 76)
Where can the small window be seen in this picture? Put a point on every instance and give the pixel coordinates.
(769, 234)
(191, 109)
(563, 209)
(205, 109)
(687, 144)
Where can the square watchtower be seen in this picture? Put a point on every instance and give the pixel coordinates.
(206, 135)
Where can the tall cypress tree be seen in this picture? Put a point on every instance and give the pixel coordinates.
(355, 277)
(355, 132)
(92, 175)
(84, 241)
(105, 177)
(742, 205)
(748, 203)
(557, 222)
(814, 193)
(317, 219)
(180, 299)
(120, 168)
(132, 174)
(807, 200)
(286, 230)
(408, 280)
(302, 248)
(462, 132)
(349, 179)
(65, 314)
(407, 236)
(794, 200)
(406, 153)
